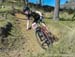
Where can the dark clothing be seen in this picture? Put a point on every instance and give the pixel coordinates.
(28, 15)
(36, 17)
(26, 9)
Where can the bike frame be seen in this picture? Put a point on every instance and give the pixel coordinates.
(43, 29)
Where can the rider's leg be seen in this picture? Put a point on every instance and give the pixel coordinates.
(34, 25)
(44, 25)
(42, 22)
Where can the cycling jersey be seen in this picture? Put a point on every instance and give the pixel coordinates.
(37, 16)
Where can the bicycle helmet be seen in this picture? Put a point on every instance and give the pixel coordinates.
(26, 9)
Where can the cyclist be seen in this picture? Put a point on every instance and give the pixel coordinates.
(37, 15)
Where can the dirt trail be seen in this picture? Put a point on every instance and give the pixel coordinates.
(32, 44)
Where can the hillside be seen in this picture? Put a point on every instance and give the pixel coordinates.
(27, 46)
(22, 43)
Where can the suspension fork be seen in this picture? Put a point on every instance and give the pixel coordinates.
(43, 28)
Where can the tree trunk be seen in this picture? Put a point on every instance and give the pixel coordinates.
(3, 1)
(25, 2)
(40, 2)
(56, 10)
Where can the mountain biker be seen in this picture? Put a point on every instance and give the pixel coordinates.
(37, 16)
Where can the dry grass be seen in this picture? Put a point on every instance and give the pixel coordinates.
(64, 30)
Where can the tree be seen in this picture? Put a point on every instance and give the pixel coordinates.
(56, 10)
(71, 0)
(40, 3)
(3, 1)
(25, 2)
(67, 1)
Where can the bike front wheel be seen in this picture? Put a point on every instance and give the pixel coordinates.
(42, 39)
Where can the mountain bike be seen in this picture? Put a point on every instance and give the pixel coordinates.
(44, 37)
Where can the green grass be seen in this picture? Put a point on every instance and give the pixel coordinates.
(2, 23)
(15, 40)
(64, 47)
(64, 30)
